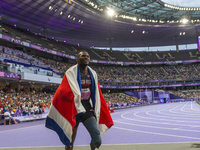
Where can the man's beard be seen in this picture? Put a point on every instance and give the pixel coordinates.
(83, 65)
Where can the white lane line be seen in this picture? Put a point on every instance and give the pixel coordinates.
(158, 119)
(56, 146)
(135, 114)
(133, 110)
(157, 143)
(162, 108)
(31, 147)
(159, 111)
(156, 133)
(195, 105)
(171, 110)
(122, 116)
(176, 114)
(21, 128)
(189, 109)
(178, 117)
(165, 128)
(183, 107)
(167, 116)
(180, 114)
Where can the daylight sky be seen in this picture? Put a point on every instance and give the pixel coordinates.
(186, 3)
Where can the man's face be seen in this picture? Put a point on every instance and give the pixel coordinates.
(83, 59)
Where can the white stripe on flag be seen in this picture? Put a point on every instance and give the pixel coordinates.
(102, 128)
(97, 96)
(63, 123)
(71, 75)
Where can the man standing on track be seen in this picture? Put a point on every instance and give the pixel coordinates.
(79, 98)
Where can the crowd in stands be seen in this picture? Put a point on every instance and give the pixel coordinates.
(23, 101)
(111, 73)
(24, 104)
(187, 94)
(61, 66)
(120, 98)
(34, 103)
(16, 55)
(147, 73)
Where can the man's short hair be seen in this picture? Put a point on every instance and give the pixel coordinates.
(81, 52)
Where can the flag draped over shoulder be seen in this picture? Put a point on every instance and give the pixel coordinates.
(67, 103)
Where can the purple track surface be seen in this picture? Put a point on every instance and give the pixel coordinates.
(162, 123)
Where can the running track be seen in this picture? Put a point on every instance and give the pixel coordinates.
(162, 123)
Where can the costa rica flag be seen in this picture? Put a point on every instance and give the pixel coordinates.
(67, 103)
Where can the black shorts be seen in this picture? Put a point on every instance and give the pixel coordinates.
(83, 117)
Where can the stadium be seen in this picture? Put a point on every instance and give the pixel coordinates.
(146, 54)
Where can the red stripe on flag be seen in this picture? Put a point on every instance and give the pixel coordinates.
(64, 101)
(105, 117)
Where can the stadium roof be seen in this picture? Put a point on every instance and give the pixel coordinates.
(136, 23)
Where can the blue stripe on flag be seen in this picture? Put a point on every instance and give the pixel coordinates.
(79, 77)
(51, 124)
(93, 89)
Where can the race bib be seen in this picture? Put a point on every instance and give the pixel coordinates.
(85, 94)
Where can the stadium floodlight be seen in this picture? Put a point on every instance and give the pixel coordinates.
(185, 21)
(110, 12)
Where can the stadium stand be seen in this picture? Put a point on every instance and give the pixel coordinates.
(18, 59)
(40, 40)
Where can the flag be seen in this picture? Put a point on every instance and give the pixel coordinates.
(69, 1)
(67, 103)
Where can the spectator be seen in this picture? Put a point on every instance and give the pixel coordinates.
(8, 117)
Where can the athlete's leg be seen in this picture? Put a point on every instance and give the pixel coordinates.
(73, 134)
(91, 126)
(73, 139)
